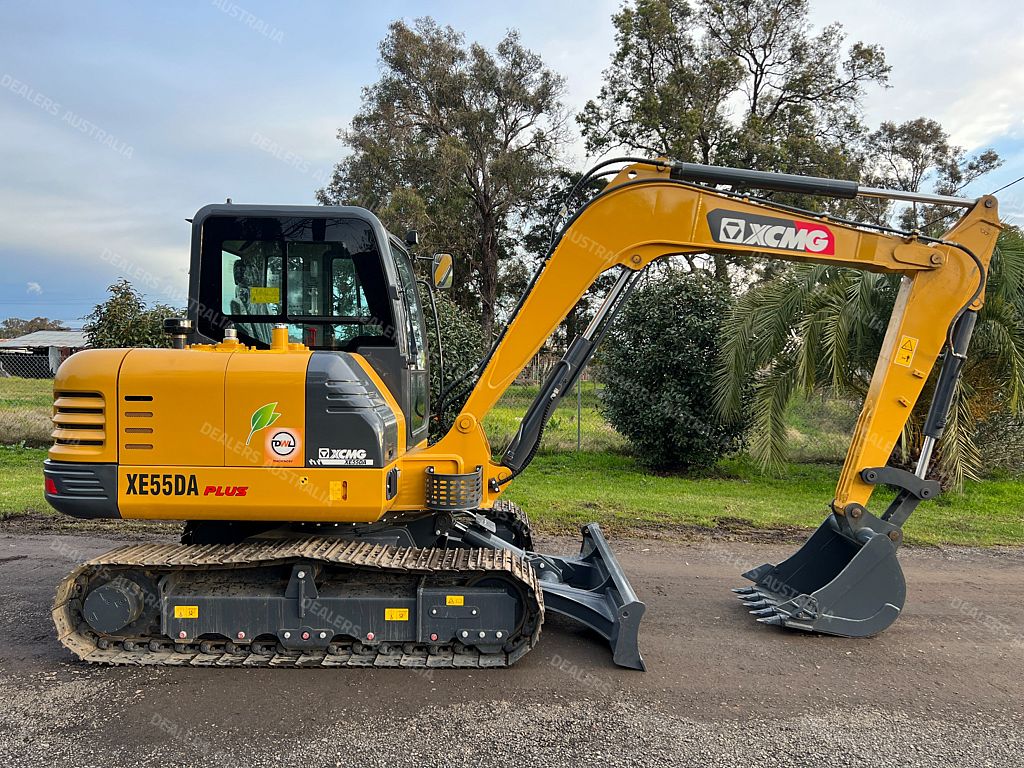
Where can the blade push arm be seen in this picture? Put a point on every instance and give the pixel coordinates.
(644, 214)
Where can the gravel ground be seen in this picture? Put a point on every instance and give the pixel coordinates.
(942, 687)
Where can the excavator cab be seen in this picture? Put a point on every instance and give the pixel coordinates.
(334, 277)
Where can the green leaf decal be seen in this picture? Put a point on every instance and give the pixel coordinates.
(261, 419)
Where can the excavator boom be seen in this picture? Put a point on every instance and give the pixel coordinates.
(647, 213)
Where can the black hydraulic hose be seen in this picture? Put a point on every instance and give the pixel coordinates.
(552, 402)
(982, 280)
(568, 199)
(982, 272)
(575, 360)
(780, 182)
(588, 176)
(592, 174)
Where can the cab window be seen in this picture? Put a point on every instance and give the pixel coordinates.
(413, 310)
(323, 278)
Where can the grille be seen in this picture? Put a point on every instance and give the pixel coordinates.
(138, 420)
(77, 482)
(449, 493)
(78, 419)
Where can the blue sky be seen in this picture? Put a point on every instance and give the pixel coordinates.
(118, 120)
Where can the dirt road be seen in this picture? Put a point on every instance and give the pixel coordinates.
(943, 686)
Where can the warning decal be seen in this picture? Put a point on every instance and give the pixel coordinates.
(905, 352)
(396, 614)
(264, 295)
(186, 611)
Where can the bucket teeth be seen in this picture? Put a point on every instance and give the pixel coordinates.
(757, 604)
(769, 611)
(776, 621)
(744, 590)
(752, 596)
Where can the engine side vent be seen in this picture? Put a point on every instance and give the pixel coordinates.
(79, 419)
(137, 423)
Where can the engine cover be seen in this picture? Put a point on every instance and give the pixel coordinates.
(223, 432)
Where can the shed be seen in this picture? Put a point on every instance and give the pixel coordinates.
(37, 355)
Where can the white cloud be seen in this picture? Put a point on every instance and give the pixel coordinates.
(33, 288)
(961, 67)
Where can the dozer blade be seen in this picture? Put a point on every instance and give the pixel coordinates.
(833, 584)
(593, 589)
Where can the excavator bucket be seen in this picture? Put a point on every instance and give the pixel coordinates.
(833, 584)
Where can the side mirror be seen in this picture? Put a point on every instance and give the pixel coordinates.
(412, 238)
(442, 271)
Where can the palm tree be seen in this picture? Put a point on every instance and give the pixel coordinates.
(816, 329)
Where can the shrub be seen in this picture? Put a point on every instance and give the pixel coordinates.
(462, 340)
(1001, 440)
(124, 320)
(658, 365)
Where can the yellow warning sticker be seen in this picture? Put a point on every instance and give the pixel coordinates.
(906, 351)
(455, 600)
(261, 295)
(396, 614)
(186, 611)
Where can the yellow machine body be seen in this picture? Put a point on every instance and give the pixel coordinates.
(177, 423)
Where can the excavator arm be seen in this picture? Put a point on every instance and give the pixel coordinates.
(846, 579)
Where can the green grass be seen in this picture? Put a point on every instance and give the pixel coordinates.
(818, 430)
(562, 492)
(25, 408)
(595, 433)
(21, 481)
(563, 489)
(18, 393)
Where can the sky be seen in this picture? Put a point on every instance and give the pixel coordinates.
(118, 120)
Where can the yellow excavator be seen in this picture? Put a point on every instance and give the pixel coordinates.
(287, 427)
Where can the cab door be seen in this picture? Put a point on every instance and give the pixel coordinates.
(418, 400)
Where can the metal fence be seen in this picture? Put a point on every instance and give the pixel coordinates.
(28, 366)
(577, 423)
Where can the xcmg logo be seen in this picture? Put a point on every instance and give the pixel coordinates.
(341, 457)
(761, 232)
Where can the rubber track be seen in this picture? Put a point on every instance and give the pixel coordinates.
(512, 514)
(350, 554)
